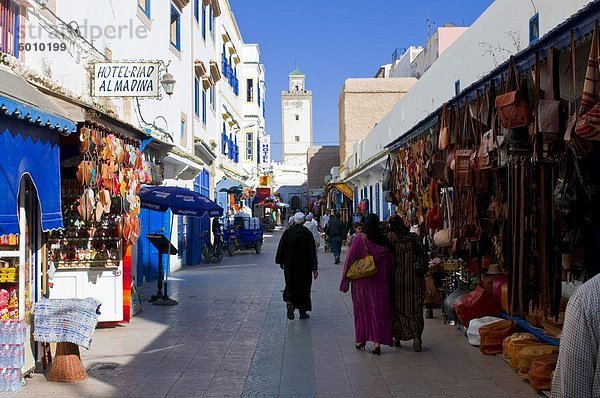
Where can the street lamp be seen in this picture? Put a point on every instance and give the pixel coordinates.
(168, 83)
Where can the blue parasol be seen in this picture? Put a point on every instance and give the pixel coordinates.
(181, 201)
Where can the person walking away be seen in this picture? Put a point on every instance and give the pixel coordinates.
(408, 285)
(325, 221)
(335, 234)
(577, 372)
(371, 296)
(297, 256)
(311, 224)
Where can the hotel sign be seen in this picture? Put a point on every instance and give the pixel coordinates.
(125, 79)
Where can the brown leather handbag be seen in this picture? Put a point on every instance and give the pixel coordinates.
(434, 219)
(549, 109)
(444, 136)
(513, 109)
(444, 237)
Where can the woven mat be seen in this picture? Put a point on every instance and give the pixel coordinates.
(66, 320)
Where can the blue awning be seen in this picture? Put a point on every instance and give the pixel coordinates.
(33, 150)
(20, 99)
(29, 147)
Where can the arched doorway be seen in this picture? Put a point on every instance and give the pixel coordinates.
(295, 203)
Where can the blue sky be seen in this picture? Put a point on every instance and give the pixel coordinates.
(333, 40)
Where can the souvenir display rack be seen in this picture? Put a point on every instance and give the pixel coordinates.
(9, 277)
(84, 244)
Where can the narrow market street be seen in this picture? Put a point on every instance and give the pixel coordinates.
(229, 337)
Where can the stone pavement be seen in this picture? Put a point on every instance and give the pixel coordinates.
(229, 337)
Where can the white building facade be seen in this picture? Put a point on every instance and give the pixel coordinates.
(199, 43)
(502, 30)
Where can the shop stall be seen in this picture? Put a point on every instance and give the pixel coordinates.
(502, 184)
(30, 204)
(339, 197)
(103, 169)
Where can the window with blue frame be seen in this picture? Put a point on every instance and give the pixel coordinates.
(175, 28)
(212, 98)
(377, 208)
(203, 27)
(534, 28)
(182, 132)
(203, 106)
(9, 27)
(144, 5)
(224, 141)
(371, 199)
(211, 21)
(197, 96)
(258, 94)
(230, 147)
(205, 183)
(249, 146)
(236, 152)
(197, 10)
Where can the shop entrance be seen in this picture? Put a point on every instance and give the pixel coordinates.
(30, 253)
(295, 203)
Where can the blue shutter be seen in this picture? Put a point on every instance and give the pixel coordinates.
(377, 205)
(196, 97)
(203, 28)
(203, 106)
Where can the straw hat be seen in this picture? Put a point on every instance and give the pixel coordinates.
(494, 269)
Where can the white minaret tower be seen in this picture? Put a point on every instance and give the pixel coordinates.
(296, 120)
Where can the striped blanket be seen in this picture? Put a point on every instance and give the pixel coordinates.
(66, 320)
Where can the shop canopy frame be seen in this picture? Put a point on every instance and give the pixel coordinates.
(341, 187)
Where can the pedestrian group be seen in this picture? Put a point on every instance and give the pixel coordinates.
(387, 298)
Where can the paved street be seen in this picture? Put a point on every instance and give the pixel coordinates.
(229, 337)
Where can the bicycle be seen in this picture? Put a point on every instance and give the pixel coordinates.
(212, 253)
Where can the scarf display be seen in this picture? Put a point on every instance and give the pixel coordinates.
(66, 320)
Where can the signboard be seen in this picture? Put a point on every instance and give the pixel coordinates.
(265, 149)
(125, 79)
(263, 192)
(264, 181)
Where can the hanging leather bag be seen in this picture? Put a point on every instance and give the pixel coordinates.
(387, 174)
(434, 219)
(444, 237)
(588, 120)
(444, 135)
(513, 109)
(462, 157)
(549, 110)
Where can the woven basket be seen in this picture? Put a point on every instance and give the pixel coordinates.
(67, 365)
